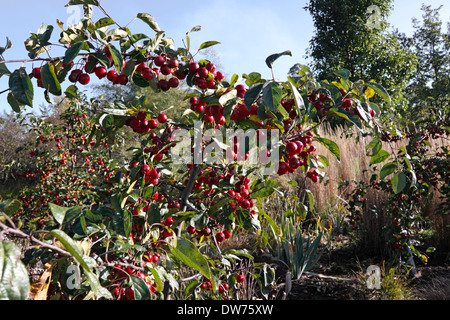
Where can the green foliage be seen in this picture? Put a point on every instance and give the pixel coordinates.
(428, 90)
(298, 251)
(344, 38)
(139, 224)
(14, 282)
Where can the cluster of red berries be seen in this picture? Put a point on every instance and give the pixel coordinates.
(207, 231)
(205, 76)
(206, 284)
(241, 195)
(123, 290)
(36, 72)
(214, 113)
(140, 124)
(296, 155)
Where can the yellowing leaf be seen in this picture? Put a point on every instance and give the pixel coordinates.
(369, 93)
(38, 290)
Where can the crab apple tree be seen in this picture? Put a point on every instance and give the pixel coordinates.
(185, 185)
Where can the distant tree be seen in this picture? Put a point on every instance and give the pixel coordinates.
(354, 35)
(429, 89)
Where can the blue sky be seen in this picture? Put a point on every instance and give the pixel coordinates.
(248, 31)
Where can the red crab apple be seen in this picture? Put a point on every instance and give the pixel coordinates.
(220, 237)
(112, 75)
(147, 74)
(202, 72)
(162, 117)
(140, 67)
(84, 79)
(129, 293)
(173, 82)
(291, 147)
(165, 70)
(294, 162)
(219, 76)
(190, 229)
(173, 63)
(193, 67)
(163, 84)
(227, 234)
(347, 104)
(282, 168)
(74, 75)
(159, 61)
(100, 72)
(168, 222)
(240, 278)
(145, 169)
(122, 79)
(152, 124)
(240, 88)
(37, 73)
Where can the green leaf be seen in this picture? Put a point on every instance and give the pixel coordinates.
(379, 157)
(71, 91)
(208, 44)
(107, 121)
(49, 79)
(6, 47)
(154, 214)
(375, 145)
(272, 94)
(310, 199)
(64, 214)
(331, 146)
(83, 2)
(343, 73)
(125, 45)
(141, 289)
(72, 52)
(14, 281)
(263, 189)
(245, 124)
(252, 94)
(387, 169)
(251, 78)
(117, 34)
(324, 160)
(335, 112)
(194, 29)
(44, 33)
(271, 59)
(96, 287)
(10, 207)
(380, 90)
(117, 57)
(15, 105)
(293, 183)
(188, 253)
(149, 20)
(72, 214)
(4, 69)
(234, 80)
(398, 182)
(71, 247)
(299, 103)
(21, 87)
(158, 279)
(103, 22)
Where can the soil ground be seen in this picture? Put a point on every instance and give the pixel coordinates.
(341, 275)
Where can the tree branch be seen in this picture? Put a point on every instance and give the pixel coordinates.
(22, 234)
